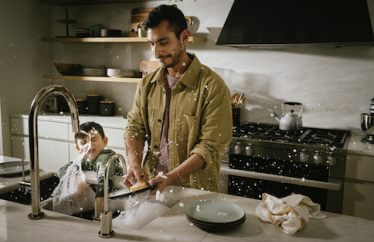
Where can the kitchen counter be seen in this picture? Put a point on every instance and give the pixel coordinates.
(356, 147)
(173, 225)
(118, 122)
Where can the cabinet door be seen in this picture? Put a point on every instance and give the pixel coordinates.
(360, 167)
(54, 152)
(20, 147)
(19, 126)
(358, 199)
(53, 130)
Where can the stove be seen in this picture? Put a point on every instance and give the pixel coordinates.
(310, 161)
(305, 136)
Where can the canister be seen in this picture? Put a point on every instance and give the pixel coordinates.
(82, 105)
(93, 103)
(107, 108)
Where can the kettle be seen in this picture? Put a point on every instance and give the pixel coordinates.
(290, 120)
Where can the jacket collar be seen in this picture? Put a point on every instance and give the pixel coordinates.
(187, 79)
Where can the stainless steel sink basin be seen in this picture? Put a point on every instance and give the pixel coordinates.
(13, 168)
(47, 186)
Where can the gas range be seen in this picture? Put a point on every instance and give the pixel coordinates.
(308, 145)
(310, 161)
(306, 136)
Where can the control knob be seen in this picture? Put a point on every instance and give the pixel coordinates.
(331, 160)
(249, 150)
(317, 158)
(238, 148)
(304, 157)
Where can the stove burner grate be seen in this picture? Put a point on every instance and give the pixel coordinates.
(309, 136)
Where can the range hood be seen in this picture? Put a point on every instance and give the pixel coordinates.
(297, 23)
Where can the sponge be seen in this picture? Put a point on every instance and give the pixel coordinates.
(137, 186)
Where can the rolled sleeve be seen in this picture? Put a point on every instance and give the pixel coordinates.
(216, 127)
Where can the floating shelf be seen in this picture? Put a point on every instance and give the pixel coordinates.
(113, 40)
(92, 78)
(85, 2)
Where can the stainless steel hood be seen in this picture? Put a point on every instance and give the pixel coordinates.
(297, 23)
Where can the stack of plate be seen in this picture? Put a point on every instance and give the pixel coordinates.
(82, 32)
(215, 215)
(110, 32)
(94, 71)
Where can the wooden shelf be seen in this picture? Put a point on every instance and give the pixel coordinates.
(92, 78)
(113, 40)
(88, 2)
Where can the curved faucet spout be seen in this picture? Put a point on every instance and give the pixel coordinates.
(33, 135)
(106, 215)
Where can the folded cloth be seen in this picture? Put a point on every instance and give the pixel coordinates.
(290, 213)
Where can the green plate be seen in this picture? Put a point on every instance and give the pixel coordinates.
(215, 211)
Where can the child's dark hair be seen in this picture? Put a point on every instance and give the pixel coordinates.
(87, 127)
(175, 17)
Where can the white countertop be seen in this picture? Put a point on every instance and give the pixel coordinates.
(173, 225)
(357, 147)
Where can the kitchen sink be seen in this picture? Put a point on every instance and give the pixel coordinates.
(47, 186)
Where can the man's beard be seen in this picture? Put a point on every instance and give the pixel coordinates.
(174, 59)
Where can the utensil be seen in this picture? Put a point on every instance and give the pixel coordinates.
(367, 125)
(290, 120)
(237, 100)
(126, 193)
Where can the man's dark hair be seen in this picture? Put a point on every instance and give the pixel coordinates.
(175, 17)
(87, 127)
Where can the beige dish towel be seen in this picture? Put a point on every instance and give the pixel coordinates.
(290, 213)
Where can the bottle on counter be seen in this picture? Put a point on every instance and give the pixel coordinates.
(372, 107)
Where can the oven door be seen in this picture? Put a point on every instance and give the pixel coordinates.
(252, 176)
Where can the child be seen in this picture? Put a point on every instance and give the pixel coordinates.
(91, 140)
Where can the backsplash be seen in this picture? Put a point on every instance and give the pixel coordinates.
(335, 85)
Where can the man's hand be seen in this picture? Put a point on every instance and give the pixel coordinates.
(162, 182)
(135, 174)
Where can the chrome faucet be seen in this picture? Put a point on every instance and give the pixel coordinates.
(33, 135)
(107, 215)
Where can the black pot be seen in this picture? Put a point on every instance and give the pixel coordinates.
(107, 108)
(93, 103)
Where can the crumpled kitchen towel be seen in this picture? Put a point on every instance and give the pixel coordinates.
(290, 213)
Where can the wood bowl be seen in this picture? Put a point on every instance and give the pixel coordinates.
(68, 69)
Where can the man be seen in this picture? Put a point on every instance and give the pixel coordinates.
(182, 110)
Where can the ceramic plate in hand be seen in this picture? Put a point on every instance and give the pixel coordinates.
(215, 211)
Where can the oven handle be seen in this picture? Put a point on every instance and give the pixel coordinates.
(332, 184)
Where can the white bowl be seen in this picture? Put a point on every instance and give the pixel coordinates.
(119, 73)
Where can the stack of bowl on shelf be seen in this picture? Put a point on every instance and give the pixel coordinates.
(120, 73)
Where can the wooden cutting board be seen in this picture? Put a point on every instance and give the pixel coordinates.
(138, 15)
